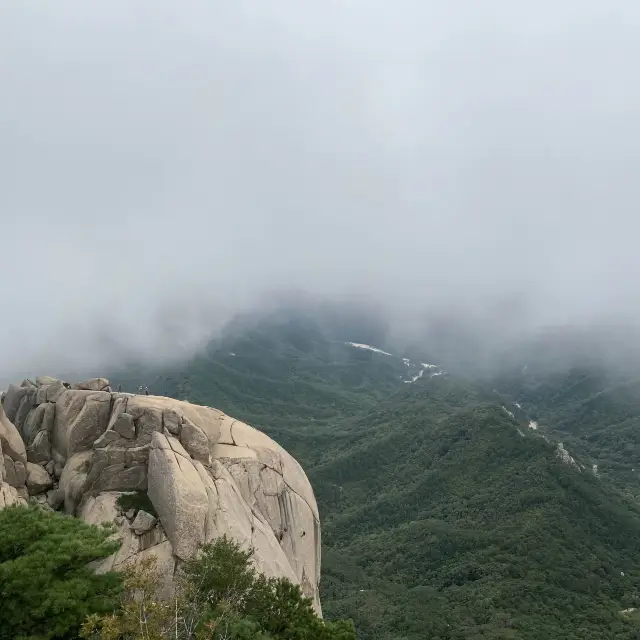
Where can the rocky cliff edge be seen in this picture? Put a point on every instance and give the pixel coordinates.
(81, 447)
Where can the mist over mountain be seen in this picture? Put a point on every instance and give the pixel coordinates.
(165, 168)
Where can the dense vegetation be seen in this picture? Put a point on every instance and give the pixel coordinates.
(592, 409)
(49, 591)
(47, 588)
(443, 515)
(219, 596)
(467, 529)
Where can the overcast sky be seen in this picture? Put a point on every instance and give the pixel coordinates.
(163, 164)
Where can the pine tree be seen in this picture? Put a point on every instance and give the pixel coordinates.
(47, 589)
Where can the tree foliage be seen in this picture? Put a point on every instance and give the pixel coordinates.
(47, 588)
(219, 596)
(439, 519)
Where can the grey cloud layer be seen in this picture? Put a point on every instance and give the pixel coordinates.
(165, 164)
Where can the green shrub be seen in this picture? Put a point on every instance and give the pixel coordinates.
(47, 588)
(219, 595)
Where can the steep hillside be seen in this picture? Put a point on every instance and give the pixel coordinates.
(446, 513)
(593, 409)
(450, 520)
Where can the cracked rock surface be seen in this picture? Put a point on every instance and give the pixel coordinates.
(205, 474)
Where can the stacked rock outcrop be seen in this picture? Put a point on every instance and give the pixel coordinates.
(81, 447)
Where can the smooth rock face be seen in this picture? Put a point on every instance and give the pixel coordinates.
(38, 480)
(10, 440)
(15, 472)
(40, 449)
(205, 473)
(178, 495)
(195, 442)
(12, 400)
(143, 522)
(81, 417)
(8, 495)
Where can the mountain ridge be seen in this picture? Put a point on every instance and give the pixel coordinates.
(446, 503)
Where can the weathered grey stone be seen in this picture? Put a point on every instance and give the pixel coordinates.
(10, 495)
(124, 426)
(41, 395)
(12, 400)
(143, 522)
(116, 477)
(130, 514)
(27, 403)
(73, 479)
(178, 495)
(94, 384)
(154, 536)
(118, 406)
(49, 467)
(195, 442)
(8, 471)
(147, 418)
(58, 458)
(55, 390)
(45, 380)
(136, 455)
(99, 509)
(81, 418)
(10, 440)
(39, 419)
(38, 480)
(15, 472)
(27, 383)
(74, 492)
(39, 450)
(32, 424)
(107, 438)
(172, 421)
(55, 498)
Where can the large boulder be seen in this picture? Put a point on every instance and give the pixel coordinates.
(12, 443)
(8, 495)
(73, 479)
(38, 480)
(177, 492)
(95, 384)
(15, 473)
(12, 400)
(40, 419)
(81, 417)
(39, 451)
(205, 474)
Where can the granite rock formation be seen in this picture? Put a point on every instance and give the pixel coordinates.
(80, 447)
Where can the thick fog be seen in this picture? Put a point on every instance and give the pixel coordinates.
(166, 164)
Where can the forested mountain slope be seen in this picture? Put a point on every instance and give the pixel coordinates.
(444, 515)
(286, 375)
(595, 410)
(448, 522)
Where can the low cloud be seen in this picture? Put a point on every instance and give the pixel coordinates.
(165, 166)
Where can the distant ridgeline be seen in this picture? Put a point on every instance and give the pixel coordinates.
(451, 508)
